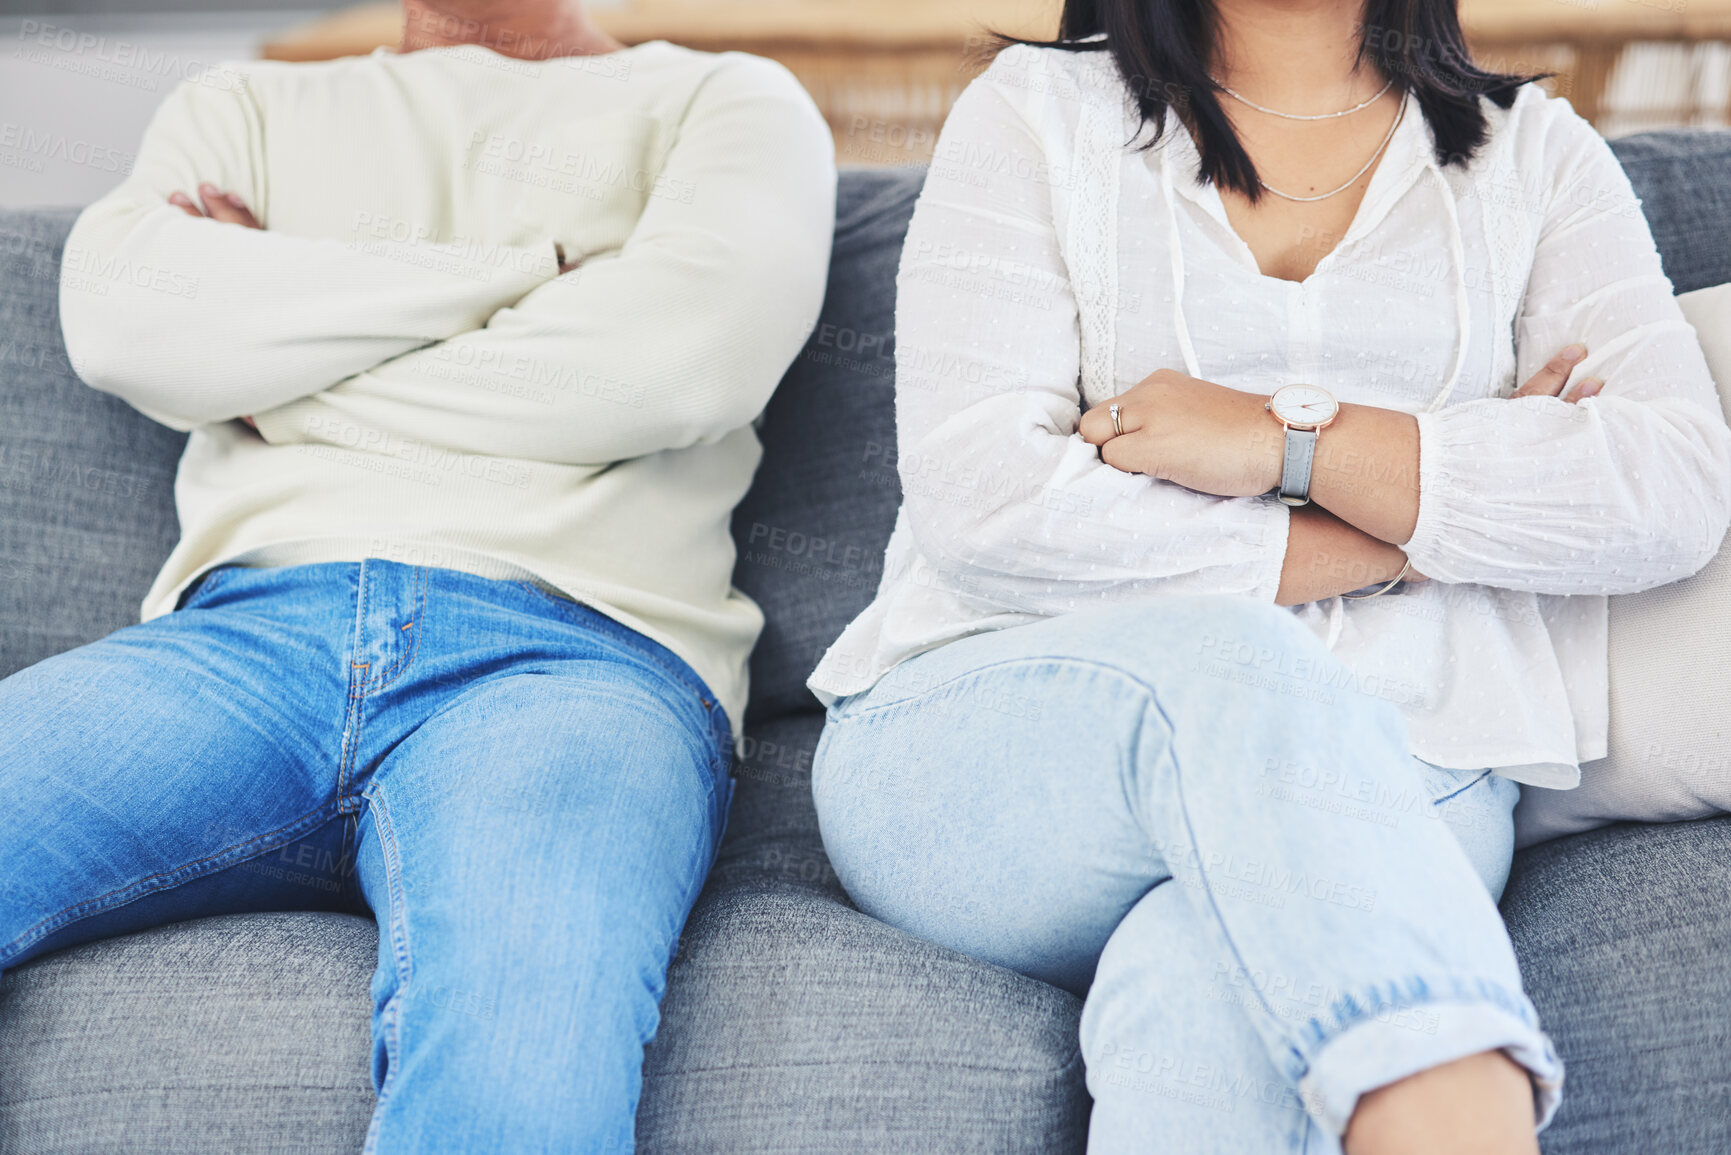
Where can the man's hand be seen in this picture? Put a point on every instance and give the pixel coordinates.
(218, 206)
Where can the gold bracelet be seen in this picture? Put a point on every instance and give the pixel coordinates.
(1398, 578)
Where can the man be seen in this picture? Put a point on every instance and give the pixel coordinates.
(469, 339)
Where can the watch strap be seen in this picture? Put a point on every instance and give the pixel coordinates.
(1296, 465)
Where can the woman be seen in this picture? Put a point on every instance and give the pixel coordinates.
(1229, 298)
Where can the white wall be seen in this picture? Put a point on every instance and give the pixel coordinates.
(77, 91)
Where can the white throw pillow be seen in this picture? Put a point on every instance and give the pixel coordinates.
(1670, 754)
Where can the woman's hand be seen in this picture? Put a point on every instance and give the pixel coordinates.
(1223, 441)
(1325, 556)
(1195, 433)
(218, 206)
(1551, 380)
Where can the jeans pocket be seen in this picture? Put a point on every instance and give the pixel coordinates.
(206, 585)
(1478, 807)
(1445, 785)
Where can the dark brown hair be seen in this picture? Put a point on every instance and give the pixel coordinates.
(1163, 50)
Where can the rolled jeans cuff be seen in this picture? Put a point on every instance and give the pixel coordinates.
(1374, 1053)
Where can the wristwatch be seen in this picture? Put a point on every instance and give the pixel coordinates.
(1305, 411)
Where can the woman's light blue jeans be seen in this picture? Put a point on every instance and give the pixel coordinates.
(525, 793)
(1271, 907)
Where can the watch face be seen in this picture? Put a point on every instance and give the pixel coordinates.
(1305, 406)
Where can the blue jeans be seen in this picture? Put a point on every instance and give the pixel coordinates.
(1269, 905)
(524, 792)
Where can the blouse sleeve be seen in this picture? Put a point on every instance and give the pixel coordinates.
(1003, 497)
(1621, 492)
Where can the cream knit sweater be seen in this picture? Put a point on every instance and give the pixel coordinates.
(427, 387)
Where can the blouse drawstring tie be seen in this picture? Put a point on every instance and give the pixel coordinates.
(1463, 312)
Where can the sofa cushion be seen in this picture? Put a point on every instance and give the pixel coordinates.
(242, 1033)
(794, 1024)
(772, 836)
(811, 533)
(1669, 757)
(1680, 176)
(86, 482)
(1624, 938)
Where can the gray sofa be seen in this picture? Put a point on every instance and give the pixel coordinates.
(792, 1022)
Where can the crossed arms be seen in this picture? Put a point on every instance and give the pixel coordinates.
(1593, 491)
(676, 338)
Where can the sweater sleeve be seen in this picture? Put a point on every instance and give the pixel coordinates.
(1001, 494)
(677, 338)
(1622, 492)
(195, 321)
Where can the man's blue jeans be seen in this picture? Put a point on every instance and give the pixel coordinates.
(524, 792)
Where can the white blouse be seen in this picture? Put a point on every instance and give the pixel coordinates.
(1048, 268)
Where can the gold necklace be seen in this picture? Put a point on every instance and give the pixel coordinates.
(1373, 158)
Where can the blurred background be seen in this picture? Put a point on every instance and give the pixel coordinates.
(80, 78)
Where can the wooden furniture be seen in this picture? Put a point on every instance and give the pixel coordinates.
(885, 72)
(1582, 41)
